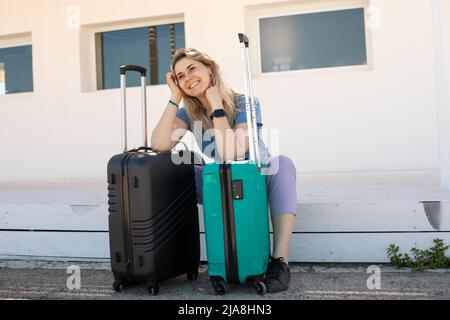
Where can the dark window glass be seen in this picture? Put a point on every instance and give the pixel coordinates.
(150, 47)
(313, 40)
(124, 47)
(16, 69)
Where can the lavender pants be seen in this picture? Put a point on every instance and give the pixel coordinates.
(281, 182)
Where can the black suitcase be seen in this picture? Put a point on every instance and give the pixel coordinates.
(153, 215)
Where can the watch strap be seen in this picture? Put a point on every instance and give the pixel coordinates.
(218, 113)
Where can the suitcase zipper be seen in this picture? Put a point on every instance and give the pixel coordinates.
(126, 218)
(231, 262)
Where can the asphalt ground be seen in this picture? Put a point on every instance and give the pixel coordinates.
(81, 280)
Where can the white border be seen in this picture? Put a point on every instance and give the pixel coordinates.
(15, 40)
(280, 13)
(133, 24)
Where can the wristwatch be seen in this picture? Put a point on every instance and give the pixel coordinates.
(218, 113)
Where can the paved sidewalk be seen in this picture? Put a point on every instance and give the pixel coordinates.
(48, 280)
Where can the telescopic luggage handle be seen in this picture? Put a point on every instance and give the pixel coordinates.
(249, 103)
(131, 67)
(123, 83)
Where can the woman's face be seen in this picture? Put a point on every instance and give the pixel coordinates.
(193, 77)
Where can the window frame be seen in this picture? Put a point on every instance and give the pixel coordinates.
(124, 25)
(18, 40)
(323, 70)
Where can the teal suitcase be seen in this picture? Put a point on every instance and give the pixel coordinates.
(235, 211)
(236, 224)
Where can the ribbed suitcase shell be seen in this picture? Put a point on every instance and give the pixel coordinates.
(236, 224)
(153, 218)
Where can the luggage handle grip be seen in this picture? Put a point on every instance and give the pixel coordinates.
(243, 39)
(132, 67)
(150, 149)
(139, 149)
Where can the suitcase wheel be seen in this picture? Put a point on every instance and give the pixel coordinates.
(118, 285)
(153, 290)
(260, 287)
(192, 275)
(220, 287)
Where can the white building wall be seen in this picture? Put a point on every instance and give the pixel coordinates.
(378, 118)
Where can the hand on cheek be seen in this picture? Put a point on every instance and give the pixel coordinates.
(213, 96)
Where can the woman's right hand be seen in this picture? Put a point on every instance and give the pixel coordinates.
(174, 88)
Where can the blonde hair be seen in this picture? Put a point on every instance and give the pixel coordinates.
(193, 105)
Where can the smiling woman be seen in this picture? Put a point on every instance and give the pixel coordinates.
(201, 86)
(191, 75)
(196, 79)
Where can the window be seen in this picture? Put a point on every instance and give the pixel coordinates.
(16, 70)
(2, 79)
(313, 40)
(150, 47)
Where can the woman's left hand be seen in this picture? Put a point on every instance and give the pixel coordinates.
(214, 98)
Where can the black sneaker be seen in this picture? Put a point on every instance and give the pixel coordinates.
(277, 275)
